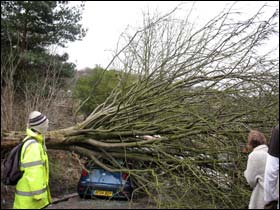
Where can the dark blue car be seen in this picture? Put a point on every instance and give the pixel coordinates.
(99, 182)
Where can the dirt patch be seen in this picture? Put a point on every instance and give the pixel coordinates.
(65, 171)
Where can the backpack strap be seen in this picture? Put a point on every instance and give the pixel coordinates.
(28, 140)
(33, 163)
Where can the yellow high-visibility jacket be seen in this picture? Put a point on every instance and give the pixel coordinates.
(32, 190)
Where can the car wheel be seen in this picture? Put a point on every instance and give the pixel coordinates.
(82, 195)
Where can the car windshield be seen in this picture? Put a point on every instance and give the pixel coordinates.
(106, 177)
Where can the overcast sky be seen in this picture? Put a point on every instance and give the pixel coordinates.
(106, 20)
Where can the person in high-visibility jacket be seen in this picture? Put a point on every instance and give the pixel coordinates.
(32, 190)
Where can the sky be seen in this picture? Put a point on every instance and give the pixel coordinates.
(106, 20)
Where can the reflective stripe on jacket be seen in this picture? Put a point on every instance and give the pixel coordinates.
(32, 190)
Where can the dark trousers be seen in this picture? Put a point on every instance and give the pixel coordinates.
(271, 205)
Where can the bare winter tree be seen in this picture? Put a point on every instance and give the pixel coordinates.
(8, 67)
(41, 94)
(201, 90)
(45, 94)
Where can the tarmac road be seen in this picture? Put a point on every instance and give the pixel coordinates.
(99, 203)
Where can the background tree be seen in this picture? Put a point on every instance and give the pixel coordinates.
(96, 85)
(29, 29)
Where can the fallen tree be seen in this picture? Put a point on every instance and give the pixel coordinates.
(201, 90)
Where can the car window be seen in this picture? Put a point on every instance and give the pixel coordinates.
(106, 177)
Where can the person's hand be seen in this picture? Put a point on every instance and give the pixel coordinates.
(37, 197)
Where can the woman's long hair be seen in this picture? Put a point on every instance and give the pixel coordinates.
(255, 138)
